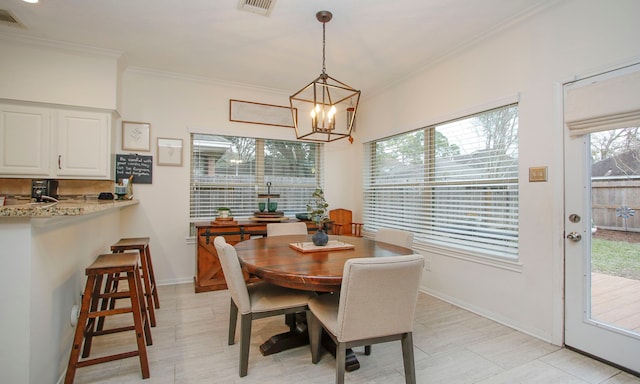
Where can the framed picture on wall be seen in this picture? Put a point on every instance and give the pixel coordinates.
(136, 136)
(258, 113)
(169, 152)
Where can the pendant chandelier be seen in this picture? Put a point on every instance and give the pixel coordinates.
(325, 109)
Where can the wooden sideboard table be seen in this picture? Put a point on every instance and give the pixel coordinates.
(209, 276)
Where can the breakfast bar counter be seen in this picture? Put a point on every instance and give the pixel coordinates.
(45, 250)
(62, 208)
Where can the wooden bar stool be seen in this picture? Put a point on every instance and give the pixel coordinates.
(141, 244)
(106, 265)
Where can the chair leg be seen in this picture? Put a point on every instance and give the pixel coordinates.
(315, 336)
(407, 357)
(245, 341)
(146, 283)
(141, 326)
(152, 278)
(80, 329)
(90, 327)
(341, 355)
(233, 319)
(111, 286)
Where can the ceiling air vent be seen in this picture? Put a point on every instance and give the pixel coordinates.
(262, 7)
(6, 18)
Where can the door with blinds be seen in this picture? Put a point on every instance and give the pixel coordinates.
(602, 216)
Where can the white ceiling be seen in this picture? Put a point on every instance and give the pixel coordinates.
(370, 44)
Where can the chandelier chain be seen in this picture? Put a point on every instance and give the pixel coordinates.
(323, 48)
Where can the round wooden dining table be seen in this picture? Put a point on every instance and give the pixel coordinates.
(291, 261)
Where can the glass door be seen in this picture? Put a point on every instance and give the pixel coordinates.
(602, 242)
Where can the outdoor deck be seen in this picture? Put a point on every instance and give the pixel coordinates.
(616, 300)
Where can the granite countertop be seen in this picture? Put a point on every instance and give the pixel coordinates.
(62, 208)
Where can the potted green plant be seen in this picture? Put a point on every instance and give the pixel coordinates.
(317, 211)
(224, 212)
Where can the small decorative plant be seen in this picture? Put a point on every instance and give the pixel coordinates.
(317, 208)
(317, 211)
(224, 212)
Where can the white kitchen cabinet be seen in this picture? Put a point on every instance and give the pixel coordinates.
(51, 142)
(25, 140)
(83, 144)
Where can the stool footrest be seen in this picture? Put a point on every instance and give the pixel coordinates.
(110, 312)
(104, 359)
(116, 295)
(114, 330)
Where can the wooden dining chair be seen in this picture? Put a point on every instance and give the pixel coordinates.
(395, 237)
(343, 223)
(254, 301)
(367, 311)
(281, 229)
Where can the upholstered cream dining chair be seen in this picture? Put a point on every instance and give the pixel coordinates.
(281, 229)
(253, 301)
(376, 304)
(395, 237)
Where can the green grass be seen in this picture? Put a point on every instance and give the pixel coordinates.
(616, 258)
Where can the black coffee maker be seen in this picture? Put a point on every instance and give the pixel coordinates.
(47, 188)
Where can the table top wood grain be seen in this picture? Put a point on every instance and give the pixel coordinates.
(274, 261)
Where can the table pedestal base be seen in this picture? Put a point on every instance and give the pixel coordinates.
(351, 362)
(298, 336)
(284, 341)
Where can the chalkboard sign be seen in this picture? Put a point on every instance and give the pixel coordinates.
(138, 166)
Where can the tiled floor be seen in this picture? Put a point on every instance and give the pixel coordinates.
(451, 346)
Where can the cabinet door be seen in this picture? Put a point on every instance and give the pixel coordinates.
(25, 140)
(209, 275)
(83, 144)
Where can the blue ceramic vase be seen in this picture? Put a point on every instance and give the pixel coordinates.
(320, 238)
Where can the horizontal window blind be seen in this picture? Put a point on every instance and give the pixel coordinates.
(231, 171)
(453, 184)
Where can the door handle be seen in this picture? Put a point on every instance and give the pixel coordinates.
(574, 236)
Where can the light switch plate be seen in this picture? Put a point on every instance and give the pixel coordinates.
(537, 174)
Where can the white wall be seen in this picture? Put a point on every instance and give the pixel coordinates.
(529, 60)
(47, 72)
(15, 237)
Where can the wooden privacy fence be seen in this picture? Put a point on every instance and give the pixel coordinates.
(609, 194)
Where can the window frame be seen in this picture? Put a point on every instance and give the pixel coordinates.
(374, 216)
(251, 183)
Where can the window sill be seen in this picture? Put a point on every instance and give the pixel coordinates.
(478, 258)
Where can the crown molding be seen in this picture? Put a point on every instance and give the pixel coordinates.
(60, 45)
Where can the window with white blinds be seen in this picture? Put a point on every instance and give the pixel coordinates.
(453, 184)
(230, 172)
